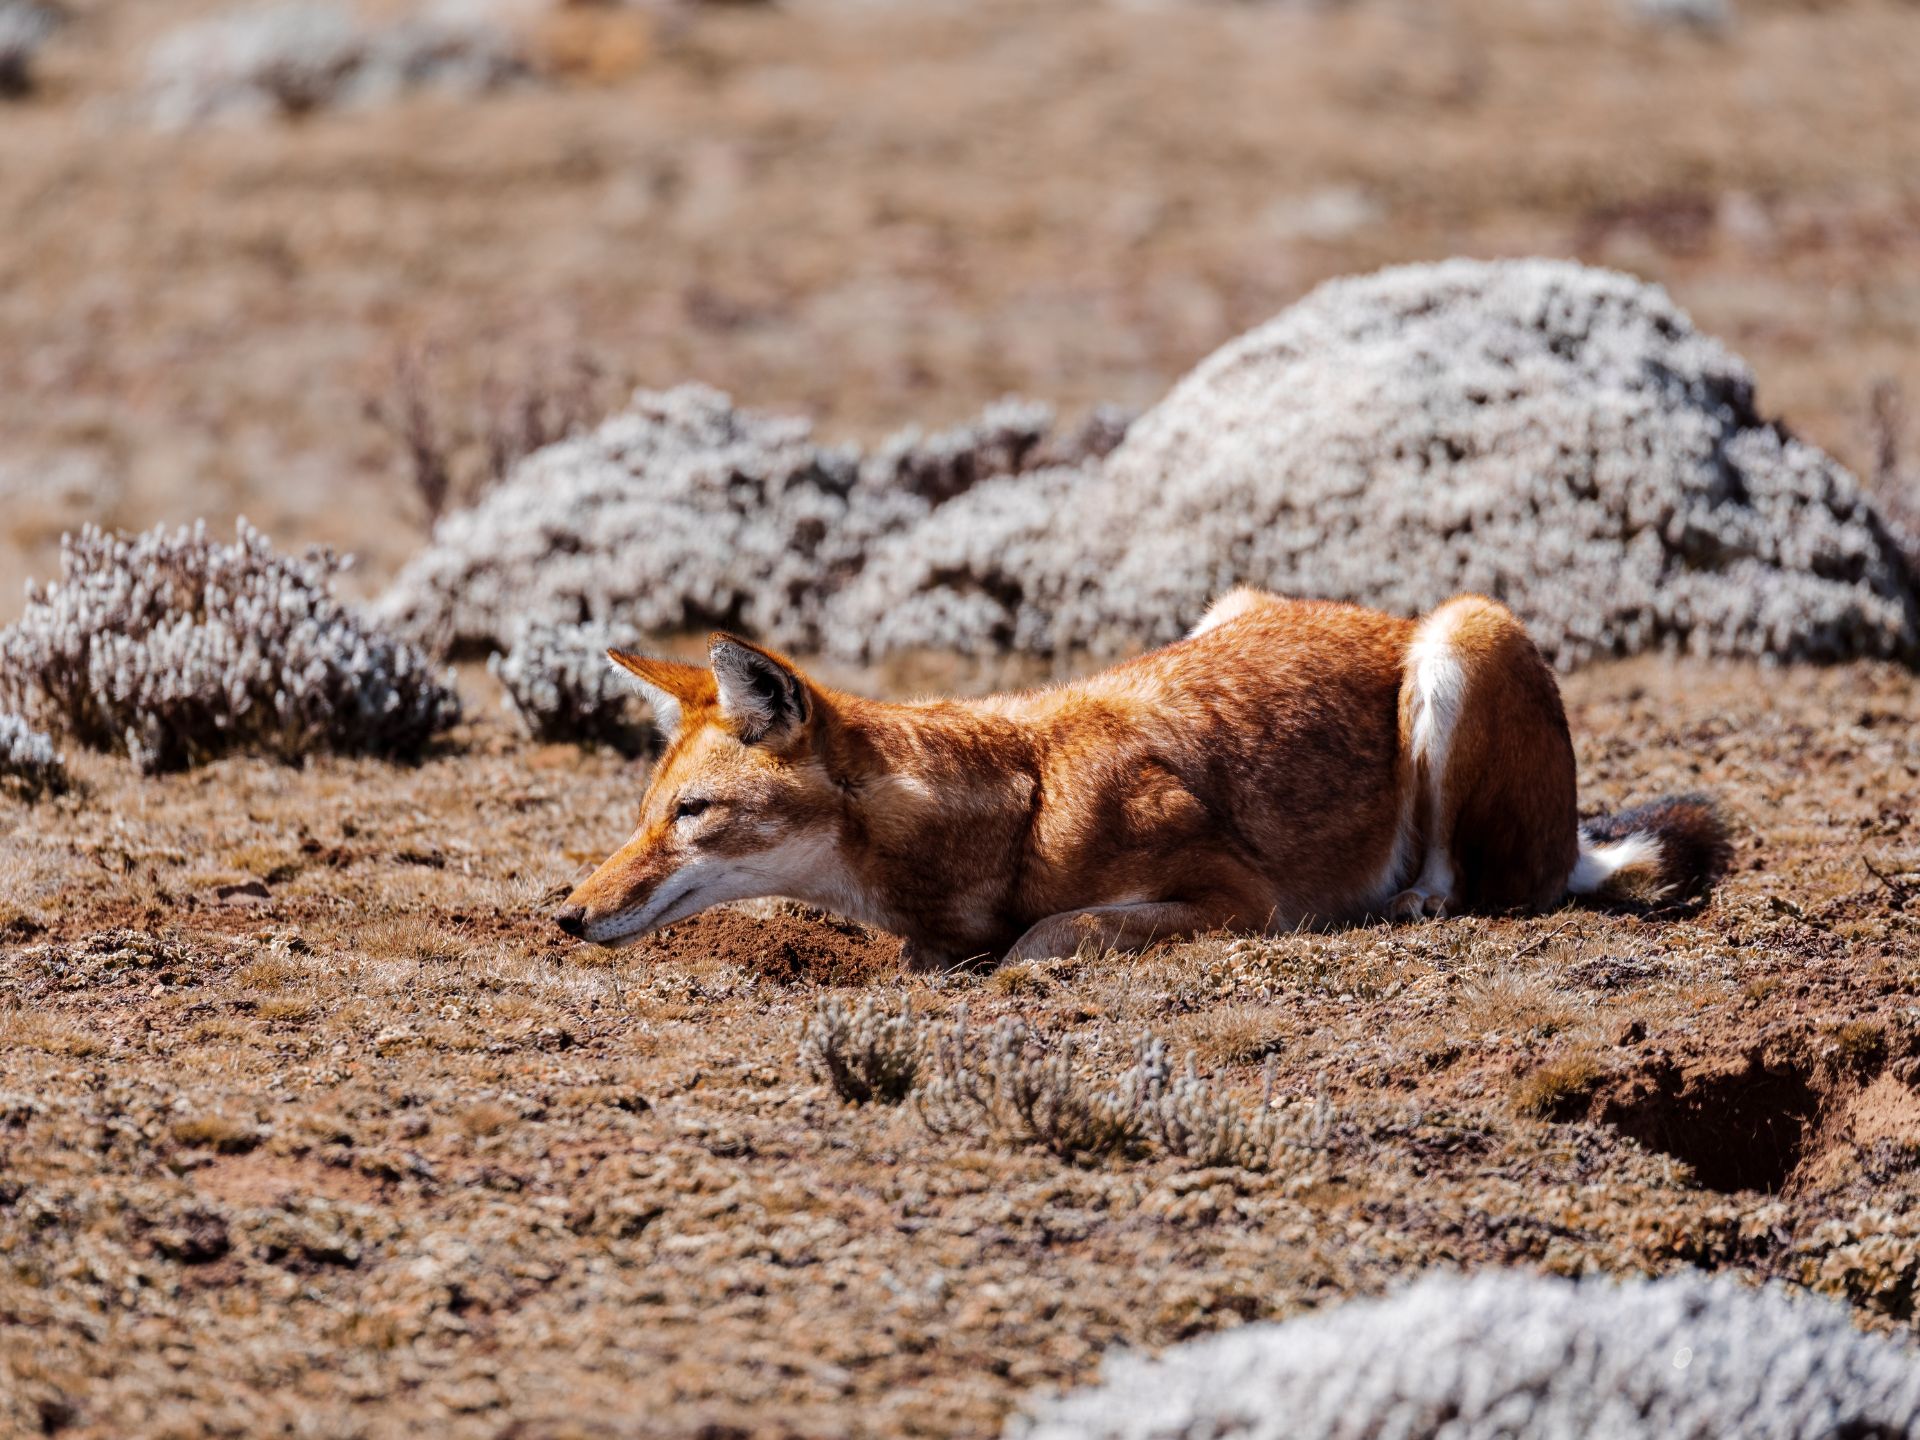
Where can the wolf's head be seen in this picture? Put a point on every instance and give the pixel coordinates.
(739, 806)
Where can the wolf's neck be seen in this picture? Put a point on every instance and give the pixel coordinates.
(944, 798)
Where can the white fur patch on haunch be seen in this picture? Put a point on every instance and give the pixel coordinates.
(1601, 863)
(1439, 693)
(1230, 606)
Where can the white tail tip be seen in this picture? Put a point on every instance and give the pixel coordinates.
(1599, 864)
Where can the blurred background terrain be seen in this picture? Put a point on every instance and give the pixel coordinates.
(875, 213)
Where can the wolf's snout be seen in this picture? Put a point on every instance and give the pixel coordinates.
(573, 920)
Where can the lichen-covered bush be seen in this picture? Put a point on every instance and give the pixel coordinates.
(679, 512)
(308, 55)
(174, 648)
(1010, 437)
(982, 575)
(684, 512)
(562, 686)
(24, 28)
(868, 1055)
(1556, 436)
(1518, 1357)
(29, 765)
(1704, 15)
(1007, 1085)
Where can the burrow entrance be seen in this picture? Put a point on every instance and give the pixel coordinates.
(1745, 1125)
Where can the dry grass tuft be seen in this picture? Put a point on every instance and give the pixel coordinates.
(1238, 1034)
(486, 1117)
(224, 1134)
(50, 1034)
(1020, 979)
(287, 1009)
(1521, 1003)
(1559, 1089)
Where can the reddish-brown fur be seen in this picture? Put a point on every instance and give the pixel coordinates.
(1271, 770)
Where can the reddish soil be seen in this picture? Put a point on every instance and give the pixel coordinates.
(791, 945)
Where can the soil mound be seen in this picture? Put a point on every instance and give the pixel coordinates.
(793, 944)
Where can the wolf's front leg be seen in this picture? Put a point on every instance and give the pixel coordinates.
(1119, 927)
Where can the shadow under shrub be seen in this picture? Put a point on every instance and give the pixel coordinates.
(173, 648)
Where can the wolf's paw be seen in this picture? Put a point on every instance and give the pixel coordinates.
(1418, 904)
(1058, 937)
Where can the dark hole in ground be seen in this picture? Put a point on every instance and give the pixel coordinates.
(1744, 1126)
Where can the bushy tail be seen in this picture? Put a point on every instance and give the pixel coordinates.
(1672, 849)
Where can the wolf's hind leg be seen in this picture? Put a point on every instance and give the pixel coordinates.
(1492, 762)
(1120, 927)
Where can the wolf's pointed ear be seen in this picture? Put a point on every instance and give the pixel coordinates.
(668, 686)
(762, 696)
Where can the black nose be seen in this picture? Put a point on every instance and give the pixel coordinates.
(573, 920)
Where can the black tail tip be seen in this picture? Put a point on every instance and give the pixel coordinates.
(1696, 844)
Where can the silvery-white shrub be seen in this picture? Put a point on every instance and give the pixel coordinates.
(1010, 437)
(868, 1055)
(173, 647)
(562, 686)
(24, 28)
(1510, 1356)
(1003, 1082)
(683, 512)
(288, 59)
(1708, 15)
(1556, 436)
(29, 765)
(982, 574)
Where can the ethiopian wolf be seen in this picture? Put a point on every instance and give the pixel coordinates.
(1288, 763)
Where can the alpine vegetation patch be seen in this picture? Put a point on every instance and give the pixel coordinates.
(563, 688)
(175, 648)
(868, 1055)
(685, 512)
(1514, 1355)
(29, 765)
(291, 59)
(1010, 1086)
(1558, 437)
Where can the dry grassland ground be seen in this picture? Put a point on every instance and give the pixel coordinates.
(310, 1124)
(360, 1148)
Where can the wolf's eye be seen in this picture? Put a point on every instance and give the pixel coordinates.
(689, 807)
